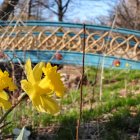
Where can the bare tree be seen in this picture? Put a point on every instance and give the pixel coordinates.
(58, 7)
(127, 14)
(7, 8)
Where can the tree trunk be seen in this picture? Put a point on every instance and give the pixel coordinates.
(60, 16)
(29, 9)
(60, 10)
(7, 8)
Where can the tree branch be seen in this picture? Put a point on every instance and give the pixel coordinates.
(65, 7)
(47, 6)
(7, 8)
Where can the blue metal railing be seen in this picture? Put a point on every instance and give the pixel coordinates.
(69, 58)
(74, 58)
(70, 25)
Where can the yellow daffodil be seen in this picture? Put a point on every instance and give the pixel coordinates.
(53, 78)
(5, 83)
(4, 100)
(39, 88)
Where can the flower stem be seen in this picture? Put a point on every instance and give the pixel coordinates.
(10, 109)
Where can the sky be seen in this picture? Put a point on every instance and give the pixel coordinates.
(89, 10)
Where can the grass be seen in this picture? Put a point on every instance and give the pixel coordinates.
(121, 114)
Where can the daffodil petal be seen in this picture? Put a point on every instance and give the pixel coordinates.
(29, 71)
(43, 84)
(37, 71)
(55, 84)
(27, 87)
(5, 104)
(49, 105)
(4, 95)
(33, 91)
(37, 104)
